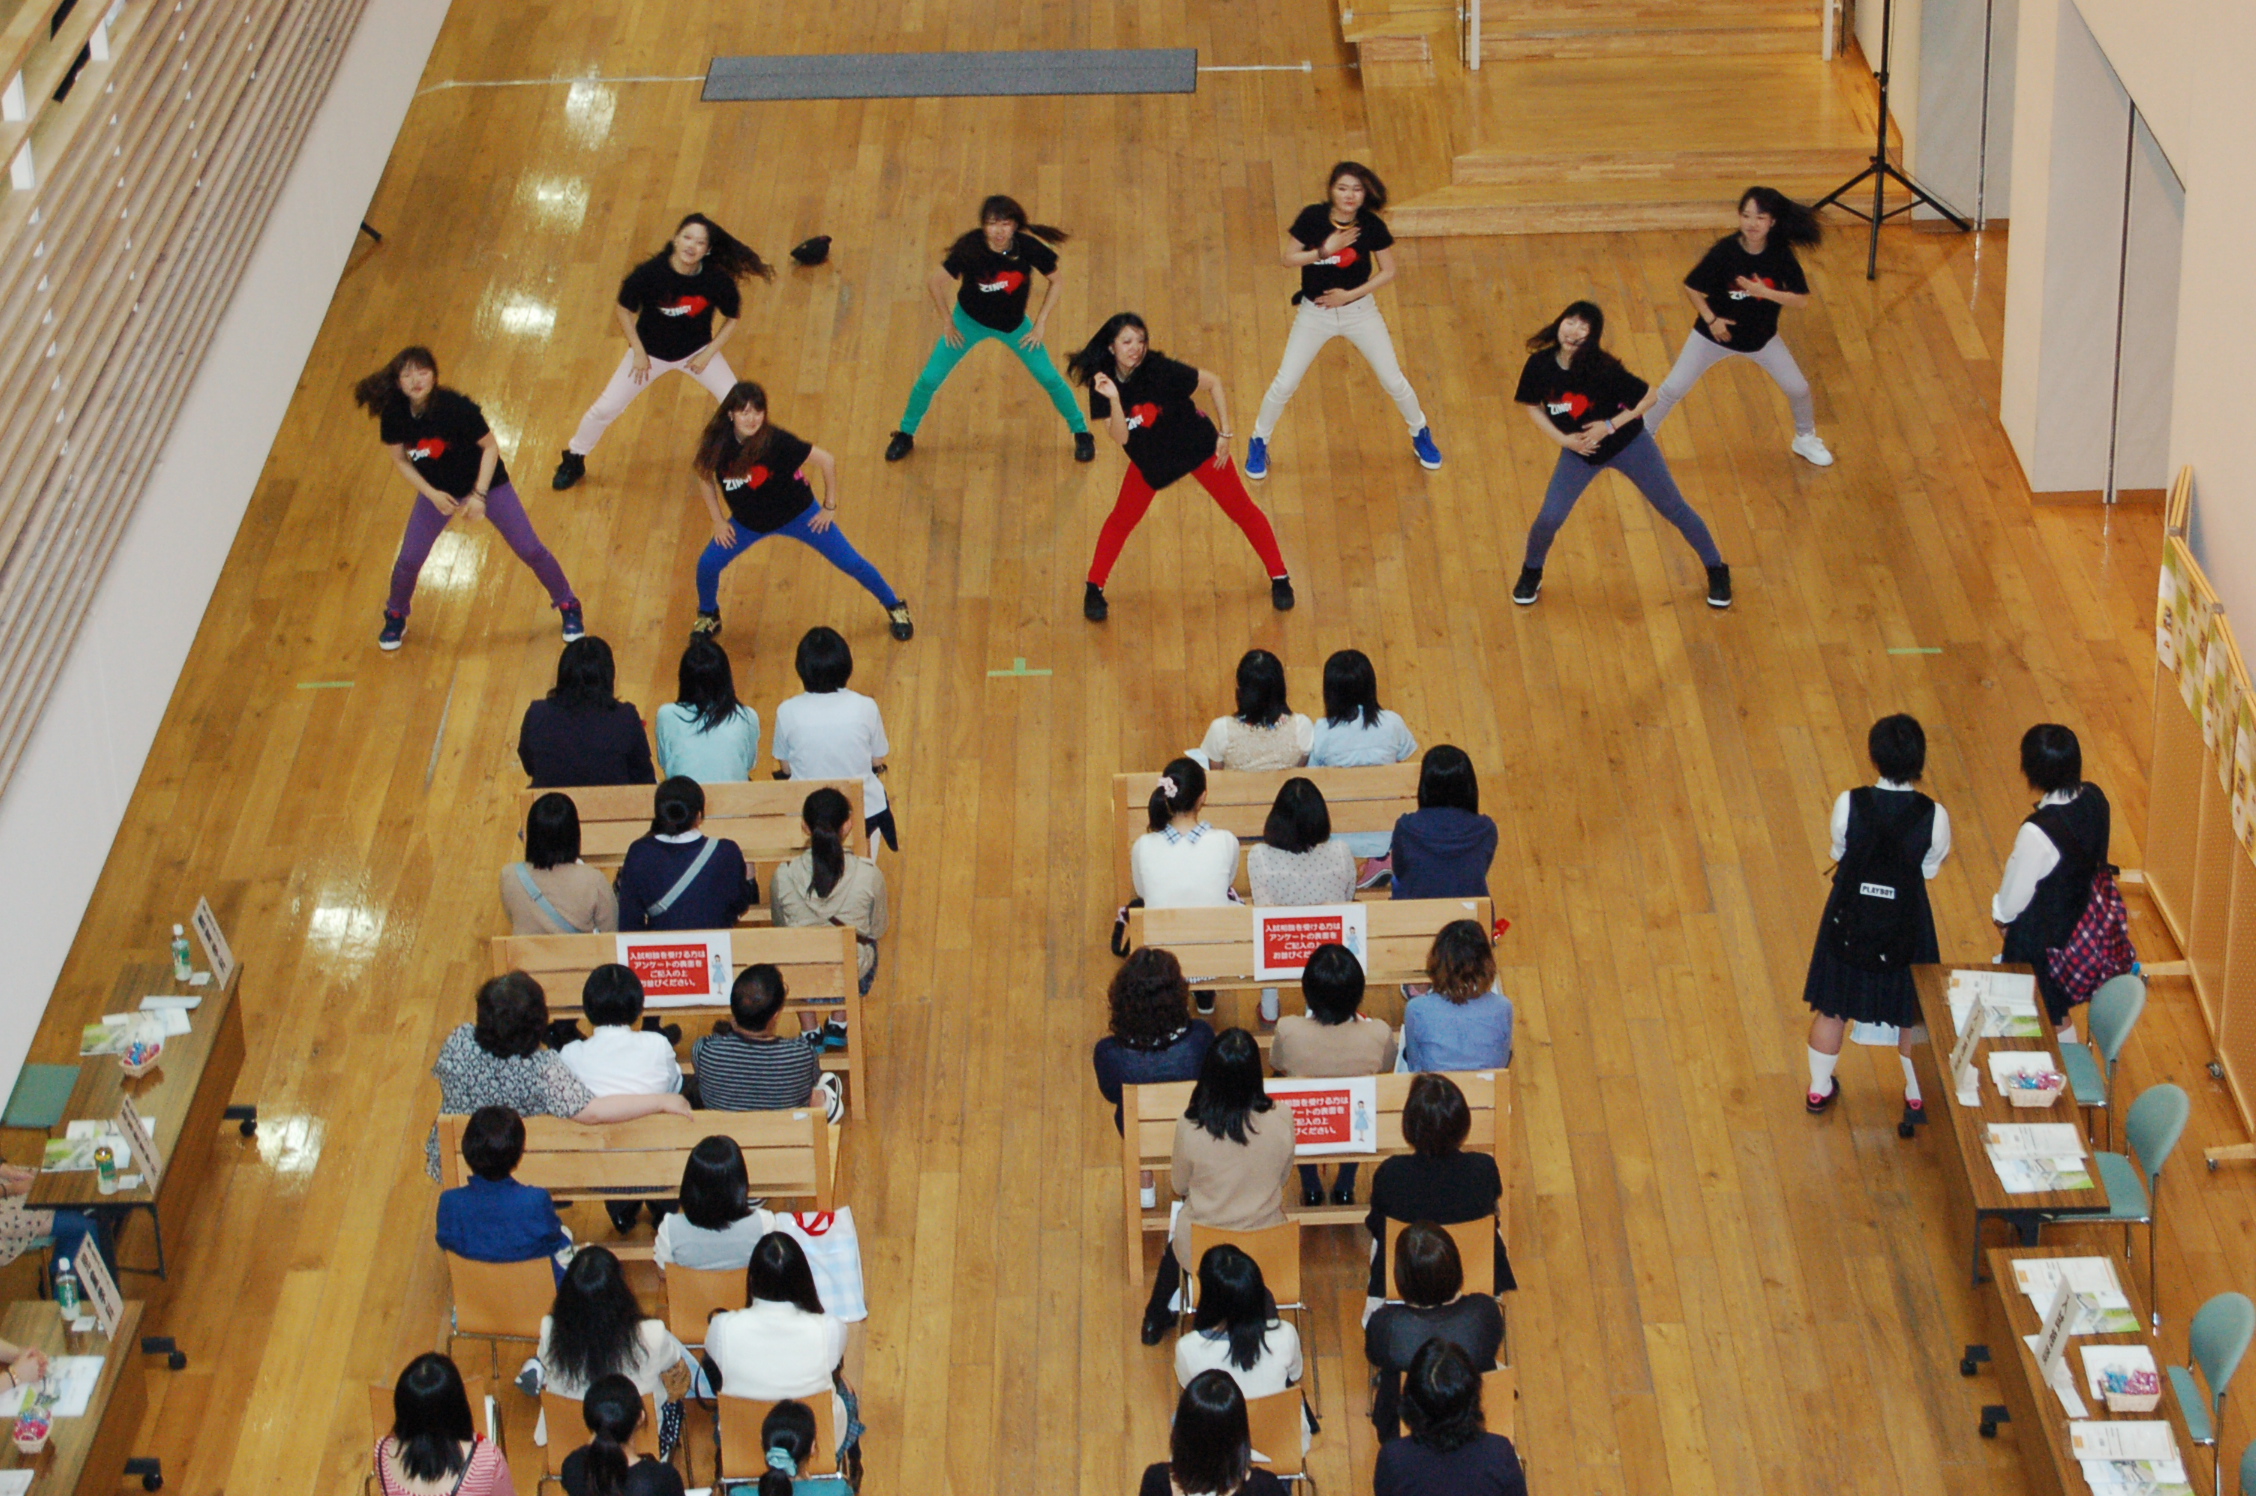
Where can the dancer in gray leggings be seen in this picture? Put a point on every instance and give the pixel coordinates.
(1580, 396)
(1737, 289)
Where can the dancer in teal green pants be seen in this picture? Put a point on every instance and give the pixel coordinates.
(992, 270)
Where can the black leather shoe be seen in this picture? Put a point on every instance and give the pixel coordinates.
(1155, 1327)
(901, 445)
(1312, 1195)
(569, 471)
(1281, 594)
(1343, 1194)
(1093, 605)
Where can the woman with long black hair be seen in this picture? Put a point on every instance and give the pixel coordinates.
(596, 1329)
(758, 470)
(667, 308)
(1148, 403)
(1737, 289)
(991, 268)
(1593, 409)
(442, 446)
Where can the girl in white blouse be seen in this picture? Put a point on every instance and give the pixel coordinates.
(1265, 732)
(1182, 862)
(783, 1343)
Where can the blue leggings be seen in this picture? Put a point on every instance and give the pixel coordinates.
(1642, 464)
(832, 544)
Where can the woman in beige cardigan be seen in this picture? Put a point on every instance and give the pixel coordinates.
(827, 885)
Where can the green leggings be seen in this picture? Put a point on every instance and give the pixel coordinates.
(944, 360)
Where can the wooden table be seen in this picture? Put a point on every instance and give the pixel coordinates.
(2030, 1405)
(183, 1100)
(1974, 1182)
(93, 1452)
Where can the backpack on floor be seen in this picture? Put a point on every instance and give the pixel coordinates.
(1871, 922)
(2099, 947)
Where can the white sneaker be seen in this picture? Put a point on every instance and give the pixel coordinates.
(1812, 449)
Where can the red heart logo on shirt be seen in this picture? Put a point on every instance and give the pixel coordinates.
(1344, 258)
(1577, 404)
(1145, 416)
(685, 306)
(431, 447)
(1007, 283)
(758, 477)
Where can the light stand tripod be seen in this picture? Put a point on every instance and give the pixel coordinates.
(1881, 168)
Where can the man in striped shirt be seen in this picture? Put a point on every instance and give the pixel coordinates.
(745, 1066)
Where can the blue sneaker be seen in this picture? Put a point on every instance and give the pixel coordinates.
(1257, 459)
(395, 632)
(1429, 455)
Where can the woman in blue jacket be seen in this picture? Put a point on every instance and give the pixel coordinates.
(677, 877)
(1443, 848)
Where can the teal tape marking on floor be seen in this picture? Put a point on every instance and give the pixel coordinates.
(1018, 667)
(1916, 651)
(325, 685)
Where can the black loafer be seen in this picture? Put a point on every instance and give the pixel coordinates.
(899, 445)
(1312, 1195)
(1343, 1195)
(1824, 1104)
(1084, 446)
(1155, 1328)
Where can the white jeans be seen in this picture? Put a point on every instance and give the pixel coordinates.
(1360, 323)
(621, 391)
(1702, 354)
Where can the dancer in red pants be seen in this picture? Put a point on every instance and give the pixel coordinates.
(1148, 403)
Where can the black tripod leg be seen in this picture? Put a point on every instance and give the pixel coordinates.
(371, 233)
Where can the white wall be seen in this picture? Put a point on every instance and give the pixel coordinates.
(68, 795)
(1948, 151)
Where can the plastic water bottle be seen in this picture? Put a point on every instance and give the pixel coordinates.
(66, 1290)
(181, 969)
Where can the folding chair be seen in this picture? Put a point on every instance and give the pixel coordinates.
(2216, 1340)
(739, 1458)
(2152, 1127)
(1275, 1422)
(497, 1301)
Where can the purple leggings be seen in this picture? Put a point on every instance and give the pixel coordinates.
(507, 511)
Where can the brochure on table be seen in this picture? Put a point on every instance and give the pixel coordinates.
(2106, 1308)
(1331, 1116)
(681, 970)
(214, 941)
(2009, 999)
(1284, 939)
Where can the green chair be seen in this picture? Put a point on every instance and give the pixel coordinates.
(2152, 1127)
(2248, 1471)
(2115, 1010)
(40, 1097)
(2218, 1338)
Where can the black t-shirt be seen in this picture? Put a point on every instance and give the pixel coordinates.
(442, 442)
(1489, 1466)
(1352, 266)
(1258, 1482)
(1447, 1191)
(674, 313)
(1168, 435)
(1588, 390)
(645, 1476)
(766, 493)
(1754, 321)
(994, 287)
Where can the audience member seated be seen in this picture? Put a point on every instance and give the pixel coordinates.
(744, 1065)
(22, 1228)
(828, 885)
(1235, 1330)
(552, 892)
(499, 1061)
(1233, 1151)
(787, 1439)
(1358, 733)
(1154, 1038)
(1265, 732)
(581, 733)
(678, 878)
(1450, 1451)
(829, 732)
(596, 1329)
(1434, 1303)
(1443, 848)
(493, 1218)
(783, 1343)
(613, 1411)
(1209, 1450)
(1333, 1038)
(434, 1448)
(1182, 862)
(1298, 860)
(1463, 1022)
(1438, 1181)
(618, 1059)
(716, 1226)
(706, 734)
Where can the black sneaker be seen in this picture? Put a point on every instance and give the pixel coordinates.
(1093, 605)
(574, 626)
(903, 626)
(1281, 594)
(569, 471)
(1719, 586)
(705, 626)
(395, 632)
(1529, 587)
(1084, 446)
(902, 444)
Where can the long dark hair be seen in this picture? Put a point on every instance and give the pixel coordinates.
(1189, 780)
(999, 206)
(595, 1325)
(1210, 1448)
(1233, 1299)
(1591, 355)
(611, 1410)
(1441, 1397)
(376, 393)
(788, 1430)
(717, 444)
(585, 676)
(1351, 689)
(1261, 689)
(706, 682)
(675, 806)
(1790, 222)
(716, 1191)
(1374, 190)
(1229, 1088)
(430, 1419)
(826, 813)
(778, 1272)
(1095, 356)
(726, 253)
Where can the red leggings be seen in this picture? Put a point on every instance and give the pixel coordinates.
(1221, 482)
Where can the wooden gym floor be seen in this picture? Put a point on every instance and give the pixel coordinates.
(1719, 1293)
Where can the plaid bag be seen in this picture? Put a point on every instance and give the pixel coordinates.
(2100, 945)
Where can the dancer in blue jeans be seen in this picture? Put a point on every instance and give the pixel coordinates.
(758, 470)
(992, 267)
(1581, 397)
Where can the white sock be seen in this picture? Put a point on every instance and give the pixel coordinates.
(1821, 1072)
(1911, 1079)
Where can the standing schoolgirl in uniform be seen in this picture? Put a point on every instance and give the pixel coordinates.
(1737, 289)
(2048, 877)
(1581, 397)
(1344, 253)
(1879, 835)
(758, 470)
(990, 266)
(1148, 403)
(442, 446)
(667, 306)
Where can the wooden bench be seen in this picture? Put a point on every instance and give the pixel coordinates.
(818, 963)
(788, 1155)
(1215, 946)
(1359, 800)
(1148, 1142)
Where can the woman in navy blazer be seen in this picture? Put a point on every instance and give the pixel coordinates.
(580, 733)
(652, 891)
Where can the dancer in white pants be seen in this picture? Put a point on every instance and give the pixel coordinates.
(1737, 289)
(667, 308)
(1344, 252)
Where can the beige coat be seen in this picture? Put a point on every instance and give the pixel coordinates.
(858, 900)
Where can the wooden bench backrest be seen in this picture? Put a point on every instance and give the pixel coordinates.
(1238, 802)
(786, 1153)
(817, 961)
(760, 815)
(1215, 945)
